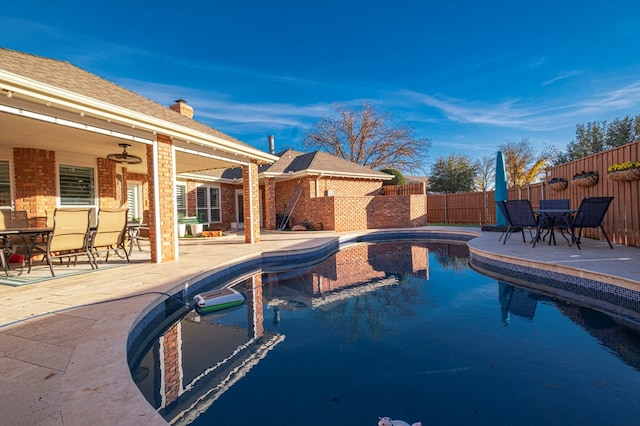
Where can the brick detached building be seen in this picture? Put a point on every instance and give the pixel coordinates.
(314, 191)
(69, 139)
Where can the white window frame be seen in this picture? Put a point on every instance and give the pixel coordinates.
(11, 183)
(182, 209)
(205, 205)
(135, 199)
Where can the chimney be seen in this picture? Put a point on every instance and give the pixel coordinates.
(272, 144)
(182, 108)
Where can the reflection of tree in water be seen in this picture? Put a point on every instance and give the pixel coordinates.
(372, 315)
(451, 256)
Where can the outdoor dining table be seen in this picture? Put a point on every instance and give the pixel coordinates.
(29, 237)
(552, 215)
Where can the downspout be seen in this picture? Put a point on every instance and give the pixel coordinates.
(318, 184)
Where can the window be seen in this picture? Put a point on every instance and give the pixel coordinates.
(5, 184)
(208, 203)
(134, 200)
(76, 186)
(181, 199)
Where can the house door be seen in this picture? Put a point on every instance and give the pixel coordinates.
(240, 209)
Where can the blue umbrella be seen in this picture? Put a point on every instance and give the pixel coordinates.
(501, 188)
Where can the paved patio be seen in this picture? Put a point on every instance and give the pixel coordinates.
(63, 341)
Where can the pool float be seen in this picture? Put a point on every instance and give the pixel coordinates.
(386, 421)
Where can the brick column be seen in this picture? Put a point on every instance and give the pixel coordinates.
(251, 200)
(165, 202)
(35, 183)
(269, 203)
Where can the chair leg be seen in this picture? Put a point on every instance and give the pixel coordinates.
(606, 237)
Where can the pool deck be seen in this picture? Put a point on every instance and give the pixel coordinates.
(64, 363)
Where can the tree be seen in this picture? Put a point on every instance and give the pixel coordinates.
(398, 177)
(485, 179)
(597, 136)
(368, 137)
(522, 164)
(455, 173)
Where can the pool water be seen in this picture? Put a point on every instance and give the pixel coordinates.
(399, 329)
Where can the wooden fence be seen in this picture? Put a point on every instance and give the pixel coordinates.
(408, 189)
(622, 221)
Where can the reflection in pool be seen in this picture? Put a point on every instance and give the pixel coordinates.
(399, 329)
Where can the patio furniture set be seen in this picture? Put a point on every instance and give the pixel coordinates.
(71, 235)
(554, 215)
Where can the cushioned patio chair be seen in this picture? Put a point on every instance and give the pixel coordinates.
(519, 216)
(69, 237)
(589, 215)
(110, 234)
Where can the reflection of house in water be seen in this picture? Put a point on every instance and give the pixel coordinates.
(181, 382)
(517, 301)
(622, 338)
(356, 270)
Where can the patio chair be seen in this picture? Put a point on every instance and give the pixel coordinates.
(589, 215)
(519, 216)
(110, 234)
(69, 237)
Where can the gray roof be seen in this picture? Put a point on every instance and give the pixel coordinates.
(63, 75)
(318, 161)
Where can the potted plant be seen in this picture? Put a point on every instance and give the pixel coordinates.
(558, 183)
(197, 228)
(624, 172)
(583, 178)
(182, 226)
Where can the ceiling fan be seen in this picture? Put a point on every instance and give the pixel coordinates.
(124, 157)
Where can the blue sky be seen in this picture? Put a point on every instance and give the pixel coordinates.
(467, 75)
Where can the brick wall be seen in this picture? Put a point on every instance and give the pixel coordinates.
(35, 183)
(269, 203)
(109, 189)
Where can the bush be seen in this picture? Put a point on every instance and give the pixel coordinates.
(398, 178)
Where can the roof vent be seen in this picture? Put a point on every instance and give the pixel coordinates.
(180, 106)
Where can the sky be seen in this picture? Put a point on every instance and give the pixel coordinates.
(468, 76)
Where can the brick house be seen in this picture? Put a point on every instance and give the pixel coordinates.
(60, 124)
(315, 189)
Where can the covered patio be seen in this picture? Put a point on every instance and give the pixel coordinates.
(59, 125)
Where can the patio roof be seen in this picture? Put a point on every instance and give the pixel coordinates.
(47, 102)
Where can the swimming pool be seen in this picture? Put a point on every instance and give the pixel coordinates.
(402, 329)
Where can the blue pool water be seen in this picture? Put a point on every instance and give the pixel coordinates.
(399, 329)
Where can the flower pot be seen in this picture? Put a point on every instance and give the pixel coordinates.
(559, 186)
(182, 230)
(585, 180)
(626, 175)
(196, 229)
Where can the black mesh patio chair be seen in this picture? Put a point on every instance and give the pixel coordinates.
(589, 215)
(519, 216)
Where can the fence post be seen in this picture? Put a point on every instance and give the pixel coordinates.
(446, 216)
